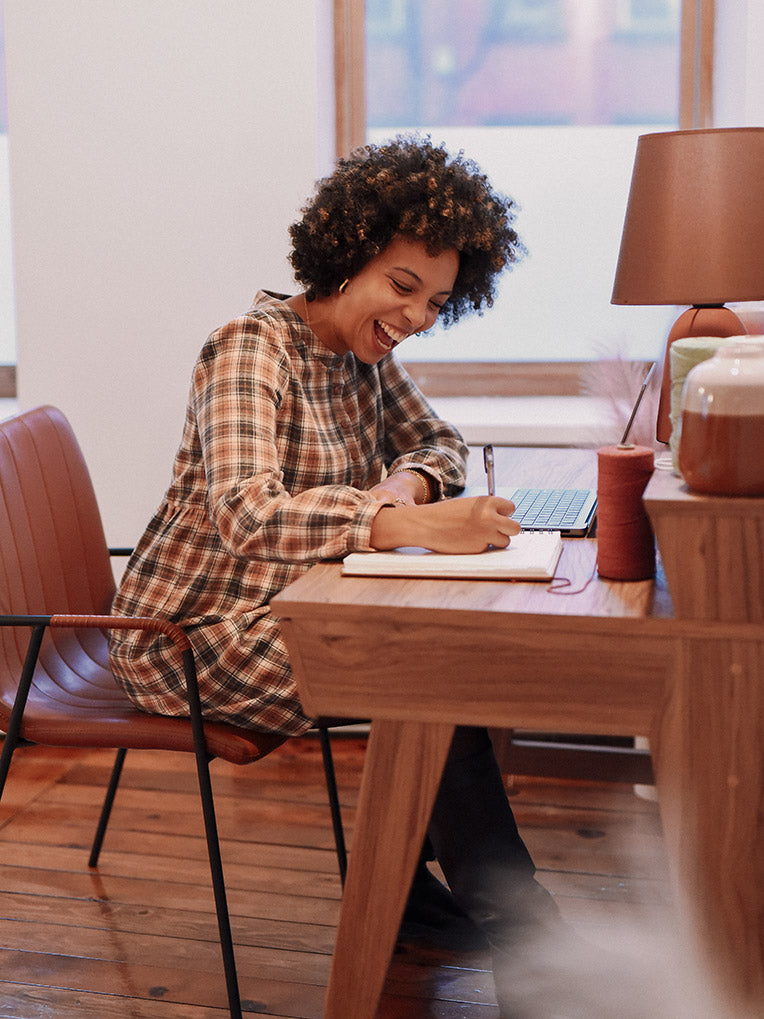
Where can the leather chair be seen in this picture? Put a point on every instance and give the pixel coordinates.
(56, 688)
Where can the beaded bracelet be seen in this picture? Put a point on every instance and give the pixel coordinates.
(420, 477)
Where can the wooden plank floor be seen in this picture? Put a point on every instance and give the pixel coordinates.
(138, 936)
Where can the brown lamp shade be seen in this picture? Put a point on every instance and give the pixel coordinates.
(694, 227)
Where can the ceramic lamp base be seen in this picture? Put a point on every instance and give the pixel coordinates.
(716, 320)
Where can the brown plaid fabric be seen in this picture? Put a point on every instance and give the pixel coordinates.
(282, 439)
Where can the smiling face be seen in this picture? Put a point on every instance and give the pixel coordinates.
(399, 292)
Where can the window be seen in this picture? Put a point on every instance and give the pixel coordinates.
(642, 17)
(549, 97)
(528, 19)
(386, 19)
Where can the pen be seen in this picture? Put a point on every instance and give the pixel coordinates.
(488, 461)
(625, 435)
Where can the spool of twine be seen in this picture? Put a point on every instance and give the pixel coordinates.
(684, 354)
(625, 541)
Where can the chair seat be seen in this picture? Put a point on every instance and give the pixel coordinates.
(75, 701)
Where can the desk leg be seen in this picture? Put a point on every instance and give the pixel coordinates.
(709, 762)
(402, 770)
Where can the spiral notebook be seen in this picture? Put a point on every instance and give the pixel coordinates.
(529, 556)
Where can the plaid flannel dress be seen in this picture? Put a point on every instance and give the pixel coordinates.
(281, 442)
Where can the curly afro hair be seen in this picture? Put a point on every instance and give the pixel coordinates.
(413, 188)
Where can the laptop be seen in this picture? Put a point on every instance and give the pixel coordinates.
(571, 511)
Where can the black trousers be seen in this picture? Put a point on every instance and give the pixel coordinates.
(475, 839)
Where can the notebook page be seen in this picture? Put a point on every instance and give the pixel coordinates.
(529, 556)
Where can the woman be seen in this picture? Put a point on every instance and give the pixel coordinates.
(305, 440)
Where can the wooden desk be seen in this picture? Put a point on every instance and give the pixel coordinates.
(418, 657)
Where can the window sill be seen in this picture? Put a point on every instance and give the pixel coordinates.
(530, 420)
(8, 407)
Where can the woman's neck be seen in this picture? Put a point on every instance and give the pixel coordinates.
(318, 315)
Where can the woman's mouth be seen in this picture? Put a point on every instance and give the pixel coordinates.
(388, 336)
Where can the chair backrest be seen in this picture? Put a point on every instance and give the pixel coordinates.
(54, 560)
(53, 553)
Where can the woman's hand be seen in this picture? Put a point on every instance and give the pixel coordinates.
(453, 525)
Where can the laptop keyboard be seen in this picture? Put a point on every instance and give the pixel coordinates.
(550, 508)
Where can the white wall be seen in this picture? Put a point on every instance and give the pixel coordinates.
(159, 151)
(7, 308)
(738, 64)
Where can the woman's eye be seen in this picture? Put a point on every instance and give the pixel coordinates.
(401, 287)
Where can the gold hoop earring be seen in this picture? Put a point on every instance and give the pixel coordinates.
(343, 286)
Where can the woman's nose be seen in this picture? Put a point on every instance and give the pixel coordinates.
(416, 314)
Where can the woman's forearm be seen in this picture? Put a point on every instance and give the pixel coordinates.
(453, 525)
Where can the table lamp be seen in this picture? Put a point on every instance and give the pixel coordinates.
(694, 233)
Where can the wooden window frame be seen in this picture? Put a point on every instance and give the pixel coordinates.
(349, 74)
(696, 64)
(7, 381)
(510, 378)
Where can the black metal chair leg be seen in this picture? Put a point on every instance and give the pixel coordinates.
(218, 886)
(116, 773)
(213, 840)
(334, 801)
(13, 731)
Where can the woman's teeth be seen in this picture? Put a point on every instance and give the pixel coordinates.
(395, 335)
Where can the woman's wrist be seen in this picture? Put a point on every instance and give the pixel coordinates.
(425, 490)
(394, 526)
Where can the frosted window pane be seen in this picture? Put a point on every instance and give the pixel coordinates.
(549, 97)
